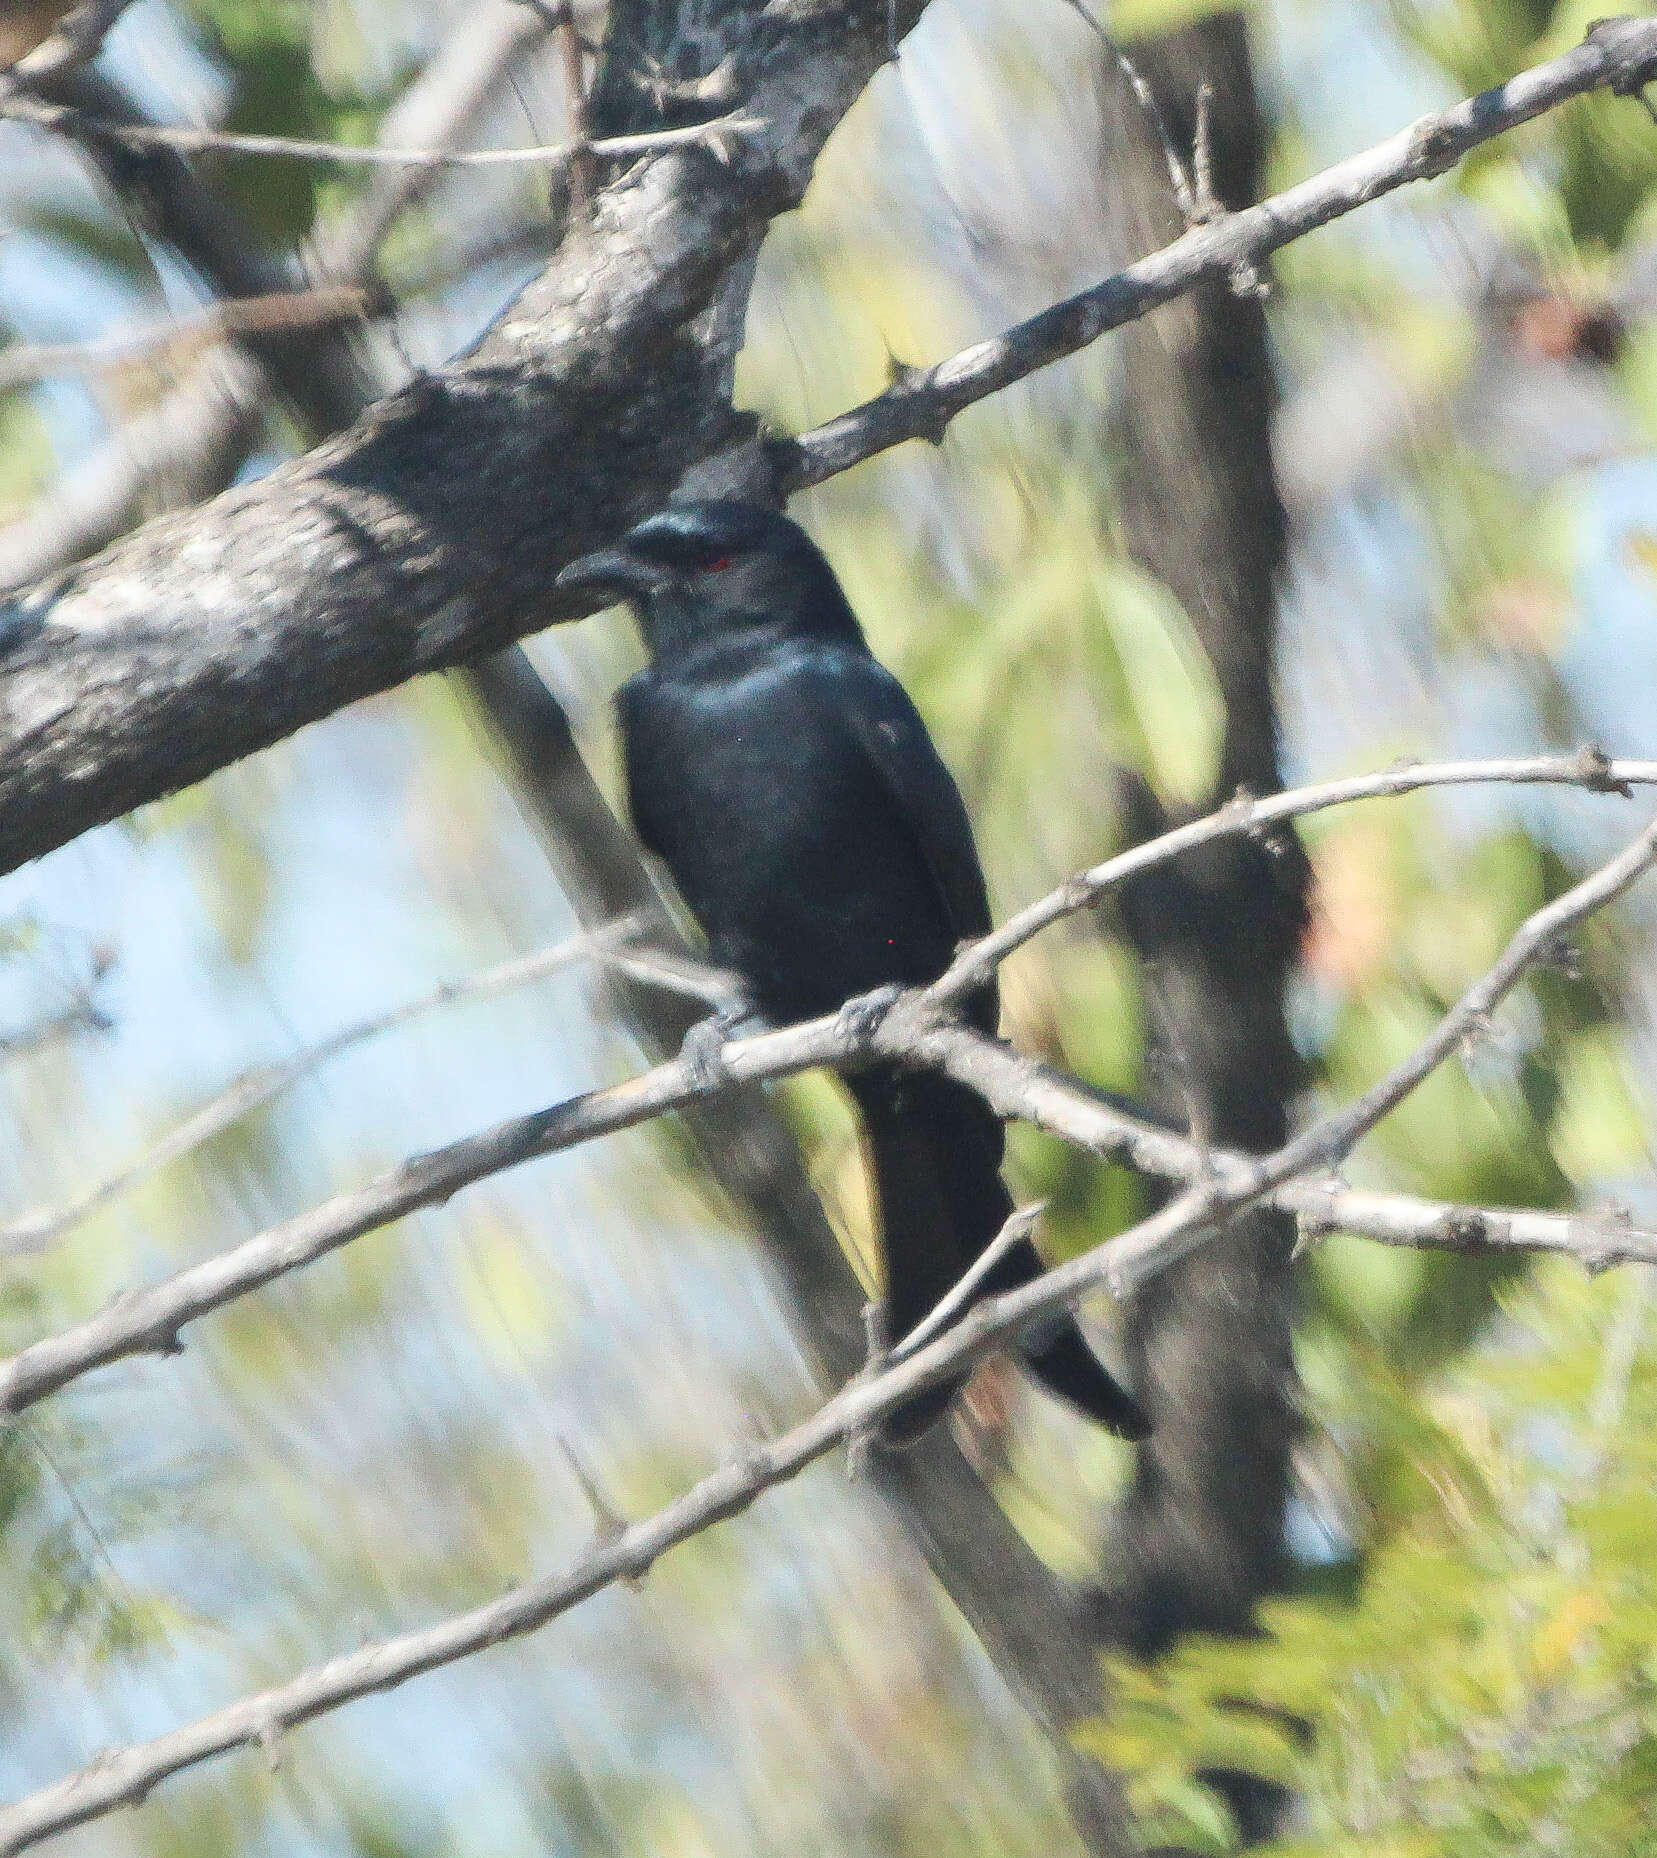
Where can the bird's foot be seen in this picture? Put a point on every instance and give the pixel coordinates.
(860, 1019)
(703, 1049)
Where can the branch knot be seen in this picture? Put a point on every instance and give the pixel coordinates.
(1460, 1230)
(1596, 771)
(1434, 148)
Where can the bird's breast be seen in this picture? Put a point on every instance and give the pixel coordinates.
(783, 841)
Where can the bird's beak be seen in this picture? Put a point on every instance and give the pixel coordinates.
(611, 571)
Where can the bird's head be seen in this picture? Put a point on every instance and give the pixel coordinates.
(696, 572)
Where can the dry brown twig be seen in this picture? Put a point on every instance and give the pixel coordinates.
(183, 339)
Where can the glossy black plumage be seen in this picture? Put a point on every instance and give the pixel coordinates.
(788, 783)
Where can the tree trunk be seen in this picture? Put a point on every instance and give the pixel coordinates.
(1200, 1535)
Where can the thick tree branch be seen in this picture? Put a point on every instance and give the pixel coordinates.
(1197, 1537)
(1121, 1264)
(1024, 1615)
(149, 1321)
(433, 529)
(915, 1029)
(125, 1777)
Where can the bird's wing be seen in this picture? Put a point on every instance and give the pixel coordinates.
(632, 705)
(887, 728)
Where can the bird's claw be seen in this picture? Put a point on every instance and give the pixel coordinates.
(703, 1047)
(860, 1019)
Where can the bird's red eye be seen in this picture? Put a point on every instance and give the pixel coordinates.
(718, 565)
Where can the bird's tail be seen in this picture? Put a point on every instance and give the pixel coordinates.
(1057, 1353)
(919, 1244)
(935, 1153)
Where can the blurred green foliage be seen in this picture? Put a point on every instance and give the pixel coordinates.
(297, 70)
(1481, 1681)
(1465, 1667)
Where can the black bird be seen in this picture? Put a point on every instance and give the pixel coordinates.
(789, 785)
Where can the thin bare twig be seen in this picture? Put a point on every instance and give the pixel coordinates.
(82, 1013)
(77, 37)
(126, 1775)
(194, 439)
(88, 762)
(678, 973)
(1589, 769)
(619, 1552)
(183, 339)
(582, 173)
(1018, 1225)
(608, 1522)
(191, 442)
(1024, 1090)
(60, 119)
(149, 1321)
(1202, 153)
(917, 1028)
(1329, 1141)
(1190, 200)
(1618, 54)
(30, 1231)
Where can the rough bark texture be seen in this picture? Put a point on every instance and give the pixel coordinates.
(433, 528)
(192, 442)
(192, 644)
(1200, 1536)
